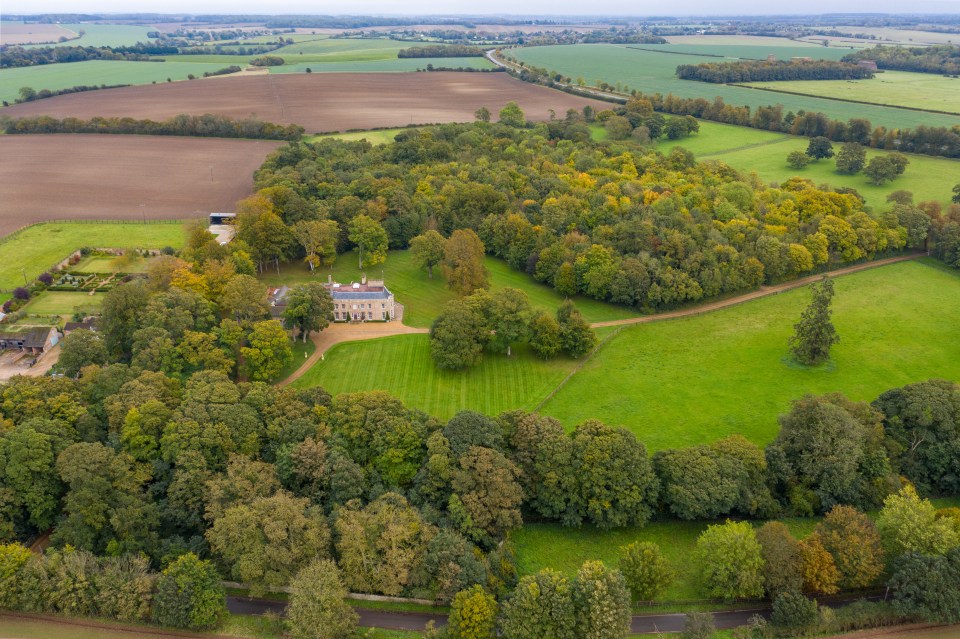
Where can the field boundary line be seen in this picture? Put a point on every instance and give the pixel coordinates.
(780, 140)
(835, 99)
(709, 307)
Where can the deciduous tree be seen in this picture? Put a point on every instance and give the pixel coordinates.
(318, 609)
(646, 570)
(309, 308)
(268, 350)
(540, 606)
(815, 334)
(473, 615)
(730, 561)
(428, 250)
(601, 602)
(369, 237)
(189, 595)
(463, 262)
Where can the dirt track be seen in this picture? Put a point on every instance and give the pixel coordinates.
(44, 177)
(319, 102)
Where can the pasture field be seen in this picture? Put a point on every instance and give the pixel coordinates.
(127, 177)
(104, 35)
(38, 247)
(654, 71)
(320, 102)
(894, 88)
(423, 298)
(887, 35)
(379, 136)
(63, 303)
(684, 382)
(97, 72)
(565, 549)
(14, 32)
(401, 365)
(734, 40)
(751, 150)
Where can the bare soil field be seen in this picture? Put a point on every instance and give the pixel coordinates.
(19, 33)
(58, 177)
(320, 102)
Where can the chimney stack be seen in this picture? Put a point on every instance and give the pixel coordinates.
(363, 279)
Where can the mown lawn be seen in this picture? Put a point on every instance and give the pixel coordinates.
(381, 136)
(401, 365)
(40, 246)
(63, 303)
(105, 264)
(694, 380)
(541, 546)
(423, 298)
(637, 67)
(765, 153)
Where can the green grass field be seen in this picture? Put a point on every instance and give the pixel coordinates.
(39, 247)
(424, 298)
(749, 48)
(382, 136)
(565, 549)
(393, 65)
(896, 88)
(96, 72)
(694, 380)
(401, 365)
(105, 264)
(63, 303)
(654, 72)
(103, 35)
(764, 152)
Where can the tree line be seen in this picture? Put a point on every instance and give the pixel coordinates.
(766, 71)
(23, 57)
(29, 94)
(941, 58)
(208, 125)
(936, 141)
(441, 51)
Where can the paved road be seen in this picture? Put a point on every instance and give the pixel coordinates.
(368, 618)
(417, 620)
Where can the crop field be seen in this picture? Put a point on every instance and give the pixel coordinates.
(734, 40)
(97, 72)
(39, 247)
(423, 298)
(684, 382)
(105, 35)
(765, 153)
(127, 177)
(320, 102)
(895, 88)
(17, 33)
(654, 71)
(785, 50)
(394, 65)
(888, 35)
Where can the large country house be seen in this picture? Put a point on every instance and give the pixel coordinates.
(363, 301)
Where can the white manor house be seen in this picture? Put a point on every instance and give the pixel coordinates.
(363, 301)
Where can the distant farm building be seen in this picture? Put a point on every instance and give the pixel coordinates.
(363, 301)
(801, 59)
(869, 65)
(221, 225)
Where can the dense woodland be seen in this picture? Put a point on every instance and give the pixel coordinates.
(612, 221)
(764, 71)
(208, 125)
(944, 58)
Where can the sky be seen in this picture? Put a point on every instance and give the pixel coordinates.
(472, 7)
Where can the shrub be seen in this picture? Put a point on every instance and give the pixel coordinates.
(21, 293)
(699, 625)
(46, 278)
(794, 612)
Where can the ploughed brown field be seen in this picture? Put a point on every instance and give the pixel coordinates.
(320, 102)
(54, 177)
(13, 33)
